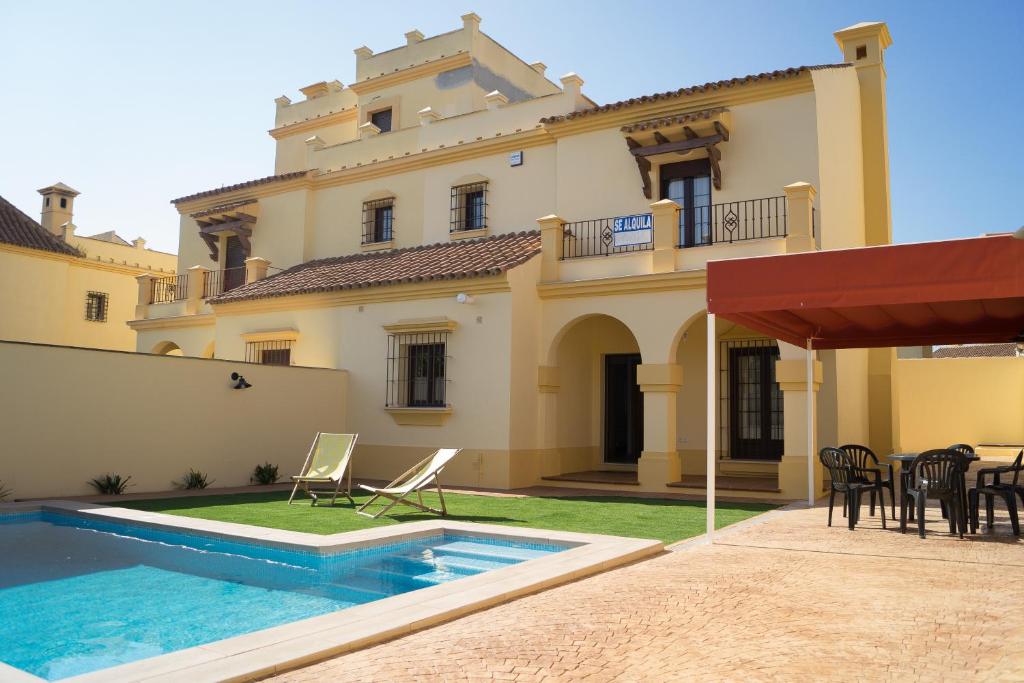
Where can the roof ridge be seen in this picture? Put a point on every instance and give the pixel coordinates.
(384, 253)
(787, 72)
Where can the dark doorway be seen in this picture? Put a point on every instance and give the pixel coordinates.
(755, 404)
(234, 263)
(623, 409)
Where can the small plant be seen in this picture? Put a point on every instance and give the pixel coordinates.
(110, 484)
(4, 492)
(265, 474)
(195, 480)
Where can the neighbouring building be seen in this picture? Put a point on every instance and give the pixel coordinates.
(502, 265)
(57, 287)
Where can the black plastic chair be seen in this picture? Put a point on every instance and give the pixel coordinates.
(865, 463)
(845, 481)
(1008, 491)
(936, 474)
(965, 449)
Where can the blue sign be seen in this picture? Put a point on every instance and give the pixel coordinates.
(629, 230)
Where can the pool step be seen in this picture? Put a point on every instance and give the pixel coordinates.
(490, 552)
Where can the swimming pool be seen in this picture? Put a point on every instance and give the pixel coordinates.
(81, 594)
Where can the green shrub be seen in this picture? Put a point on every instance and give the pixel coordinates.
(110, 484)
(194, 480)
(265, 474)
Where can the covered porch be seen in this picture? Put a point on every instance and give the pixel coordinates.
(955, 291)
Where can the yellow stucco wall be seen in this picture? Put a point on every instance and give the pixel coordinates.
(942, 401)
(43, 296)
(170, 414)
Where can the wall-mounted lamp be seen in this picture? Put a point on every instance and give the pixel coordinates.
(239, 381)
(463, 298)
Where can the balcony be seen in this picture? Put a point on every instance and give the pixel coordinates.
(187, 294)
(665, 240)
(700, 226)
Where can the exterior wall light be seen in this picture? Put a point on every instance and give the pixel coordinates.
(463, 298)
(239, 381)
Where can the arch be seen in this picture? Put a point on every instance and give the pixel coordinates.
(208, 352)
(167, 348)
(677, 339)
(551, 357)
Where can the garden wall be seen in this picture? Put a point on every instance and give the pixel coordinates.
(942, 401)
(68, 415)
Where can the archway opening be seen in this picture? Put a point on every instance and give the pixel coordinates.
(600, 422)
(167, 348)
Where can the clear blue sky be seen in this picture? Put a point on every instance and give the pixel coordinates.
(134, 103)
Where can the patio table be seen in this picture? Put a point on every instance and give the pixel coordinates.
(907, 459)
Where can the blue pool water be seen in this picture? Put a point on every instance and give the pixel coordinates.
(78, 595)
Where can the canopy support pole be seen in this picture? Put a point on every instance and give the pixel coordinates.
(711, 430)
(810, 425)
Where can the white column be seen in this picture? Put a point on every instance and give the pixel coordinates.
(811, 453)
(711, 429)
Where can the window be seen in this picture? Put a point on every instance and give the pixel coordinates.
(63, 202)
(96, 307)
(689, 184)
(274, 352)
(862, 52)
(382, 119)
(378, 220)
(416, 372)
(46, 201)
(469, 207)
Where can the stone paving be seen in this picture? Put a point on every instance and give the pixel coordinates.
(785, 599)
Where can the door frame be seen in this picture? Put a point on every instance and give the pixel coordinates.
(634, 421)
(765, 449)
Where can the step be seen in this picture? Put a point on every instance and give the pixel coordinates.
(487, 551)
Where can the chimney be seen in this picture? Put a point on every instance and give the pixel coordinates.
(572, 85)
(414, 36)
(58, 207)
(864, 46)
(495, 99)
(539, 67)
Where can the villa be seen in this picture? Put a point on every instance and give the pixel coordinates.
(500, 263)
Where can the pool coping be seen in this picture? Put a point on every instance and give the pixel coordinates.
(280, 648)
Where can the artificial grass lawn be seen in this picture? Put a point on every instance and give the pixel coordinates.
(661, 519)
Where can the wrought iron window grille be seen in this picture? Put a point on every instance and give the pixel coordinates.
(468, 207)
(417, 370)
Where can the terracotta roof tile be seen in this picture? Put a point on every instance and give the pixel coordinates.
(241, 186)
(18, 229)
(780, 74)
(443, 261)
(976, 351)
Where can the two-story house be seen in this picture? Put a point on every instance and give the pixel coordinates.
(504, 266)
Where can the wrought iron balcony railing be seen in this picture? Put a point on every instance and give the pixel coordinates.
(219, 281)
(699, 226)
(166, 289)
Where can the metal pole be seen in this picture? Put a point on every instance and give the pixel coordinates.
(810, 425)
(712, 385)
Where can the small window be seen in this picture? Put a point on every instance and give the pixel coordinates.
(63, 202)
(96, 307)
(862, 52)
(274, 352)
(417, 370)
(382, 119)
(46, 201)
(469, 207)
(378, 221)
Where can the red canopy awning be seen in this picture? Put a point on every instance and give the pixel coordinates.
(949, 292)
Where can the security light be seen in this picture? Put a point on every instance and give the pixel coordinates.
(239, 381)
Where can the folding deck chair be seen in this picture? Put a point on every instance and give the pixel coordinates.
(414, 480)
(329, 458)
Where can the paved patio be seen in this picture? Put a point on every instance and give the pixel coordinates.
(784, 599)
